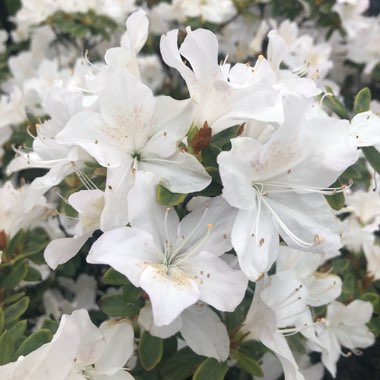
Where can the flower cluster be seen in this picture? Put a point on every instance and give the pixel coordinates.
(193, 181)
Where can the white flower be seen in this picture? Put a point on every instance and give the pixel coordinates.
(322, 288)
(365, 128)
(217, 11)
(278, 301)
(12, 214)
(89, 204)
(135, 131)
(79, 350)
(344, 325)
(278, 188)
(62, 160)
(222, 97)
(176, 263)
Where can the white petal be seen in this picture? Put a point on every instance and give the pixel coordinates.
(205, 333)
(215, 212)
(220, 285)
(126, 250)
(322, 288)
(119, 337)
(145, 320)
(255, 241)
(170, 291)
(365, 128)
(237, 171)
(60, 251)
(180, 173)
(89, 130)
(137, 30)
(170, 55)
(128, 105)
(306, 221)
(147, 214)
(119, 182)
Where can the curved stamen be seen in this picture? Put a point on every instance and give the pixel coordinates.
(294, 237)
(183, 243)
(184, 256)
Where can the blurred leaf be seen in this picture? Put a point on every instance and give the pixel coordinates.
(16, 310)
(2, 320)
(167, 198)
(372, 297)
(211, 369)
(131, 293)
(113, 277)
(13, 298)
(115, 306)
(373, 157)
(340, 265)
(150, 350)
(6, 348)
(247, 363)
(33, 274)
(17, 330)
(362, 101)
(33, 342)
(334, 105)
(51, 325)
(181, 365)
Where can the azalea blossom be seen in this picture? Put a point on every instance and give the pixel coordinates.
(135, 131)
(278, 188)
(176, 262)
(78, 350)
(89, 204)
(344, 325)
(223, 96)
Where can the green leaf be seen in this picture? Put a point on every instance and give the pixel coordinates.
(6, 348)
(17, 274)
(33, 275)
(13, 298)
(17, 330)
(150, 350)
(51, 325)
(167, 198)
(224, 137)
(16, 310)
(340, 265)
(336, 201)
(114, 305)
(362, 100)
(33, 342)
(211, 369)
(2, 320)
(181, 365)
(130, 293)
(373, 157)
(247, 363)
(334, 105)
(170, 347)
(113, 277)
(372, 297)
(209, 155)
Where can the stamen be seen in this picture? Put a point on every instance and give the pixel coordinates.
(294, 237)
(182, 257)
(181, 245)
